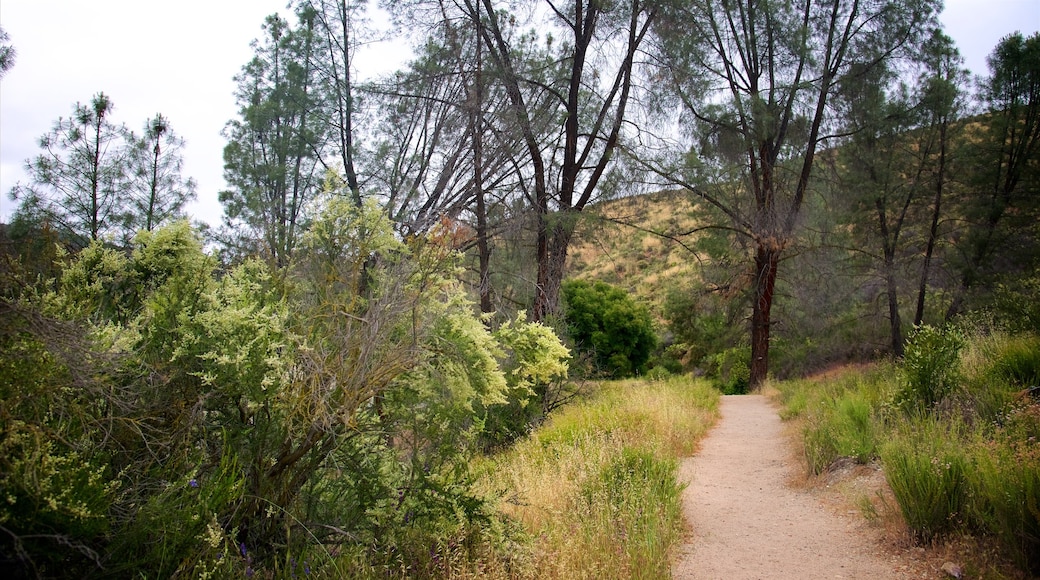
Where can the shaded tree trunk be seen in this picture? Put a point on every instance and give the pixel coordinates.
(933, 230)
(767, 260)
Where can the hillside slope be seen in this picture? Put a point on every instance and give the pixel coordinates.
(642, 244)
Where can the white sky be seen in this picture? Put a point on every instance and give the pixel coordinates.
(178, 58)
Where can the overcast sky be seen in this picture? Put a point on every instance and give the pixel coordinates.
(178, 58)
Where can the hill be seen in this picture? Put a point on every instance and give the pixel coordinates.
(642, 244)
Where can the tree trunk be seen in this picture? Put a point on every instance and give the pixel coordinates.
(767, 258)
(933, 232)
(555, 267)
(895, 322)
(889, 241)
(477, 118)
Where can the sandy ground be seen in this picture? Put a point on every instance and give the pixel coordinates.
(747, 520)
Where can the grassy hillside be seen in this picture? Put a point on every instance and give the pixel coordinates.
(641, 244)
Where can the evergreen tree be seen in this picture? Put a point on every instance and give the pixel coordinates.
(78, 183)
(1003, 205)
(159, 192)
(272, 162)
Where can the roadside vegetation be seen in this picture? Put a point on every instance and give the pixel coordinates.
(381, 363)
(596, 489)
(954, 426)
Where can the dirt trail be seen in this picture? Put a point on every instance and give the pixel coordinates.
(747, 522)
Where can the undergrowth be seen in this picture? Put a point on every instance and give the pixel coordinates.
(596, 488)
(954, 426)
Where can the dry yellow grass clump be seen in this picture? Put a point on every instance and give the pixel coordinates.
(596, 488)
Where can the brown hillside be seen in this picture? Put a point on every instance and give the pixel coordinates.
(641, 244)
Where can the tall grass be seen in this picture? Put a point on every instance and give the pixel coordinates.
(596, 488)
(926, 467)
(841, 416)
(958, 439)
(1005, 479)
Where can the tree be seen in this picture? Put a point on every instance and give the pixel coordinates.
(339, 26)
(754, 82)
(272, 162)
(420, 162)
(897, 167)
(569, 113)
(942, 100)
(78, 181)
(606, 323)
(8, 53)
(871, 169)
(158, 190)
(1006, 161)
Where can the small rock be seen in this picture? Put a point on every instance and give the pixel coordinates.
(952, 570)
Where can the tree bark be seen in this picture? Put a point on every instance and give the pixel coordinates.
(767, 259)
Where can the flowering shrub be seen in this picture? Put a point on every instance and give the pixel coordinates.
(159, 418)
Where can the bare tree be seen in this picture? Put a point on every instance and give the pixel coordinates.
(338, 34)
(569, 112)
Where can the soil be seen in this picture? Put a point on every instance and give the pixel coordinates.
(751, 515)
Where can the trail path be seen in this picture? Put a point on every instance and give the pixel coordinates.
(748, 522)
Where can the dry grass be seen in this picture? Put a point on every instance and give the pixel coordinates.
(630, 256)
(587, 517)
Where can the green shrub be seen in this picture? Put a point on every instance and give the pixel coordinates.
(606, 322)
(157, 419)
(701, 321)
(1018, 304)
(931, 366)
(730, 370)
(535, 363)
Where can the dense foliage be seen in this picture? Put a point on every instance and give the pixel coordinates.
(163, 419)
(608, 324)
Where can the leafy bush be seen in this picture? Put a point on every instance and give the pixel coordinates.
(606, 322)
(931, 366)
(731, 370)
(534, 362)
(161, 420)
(701, 322)
(1018, 304)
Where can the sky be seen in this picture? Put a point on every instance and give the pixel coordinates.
(179, 58)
